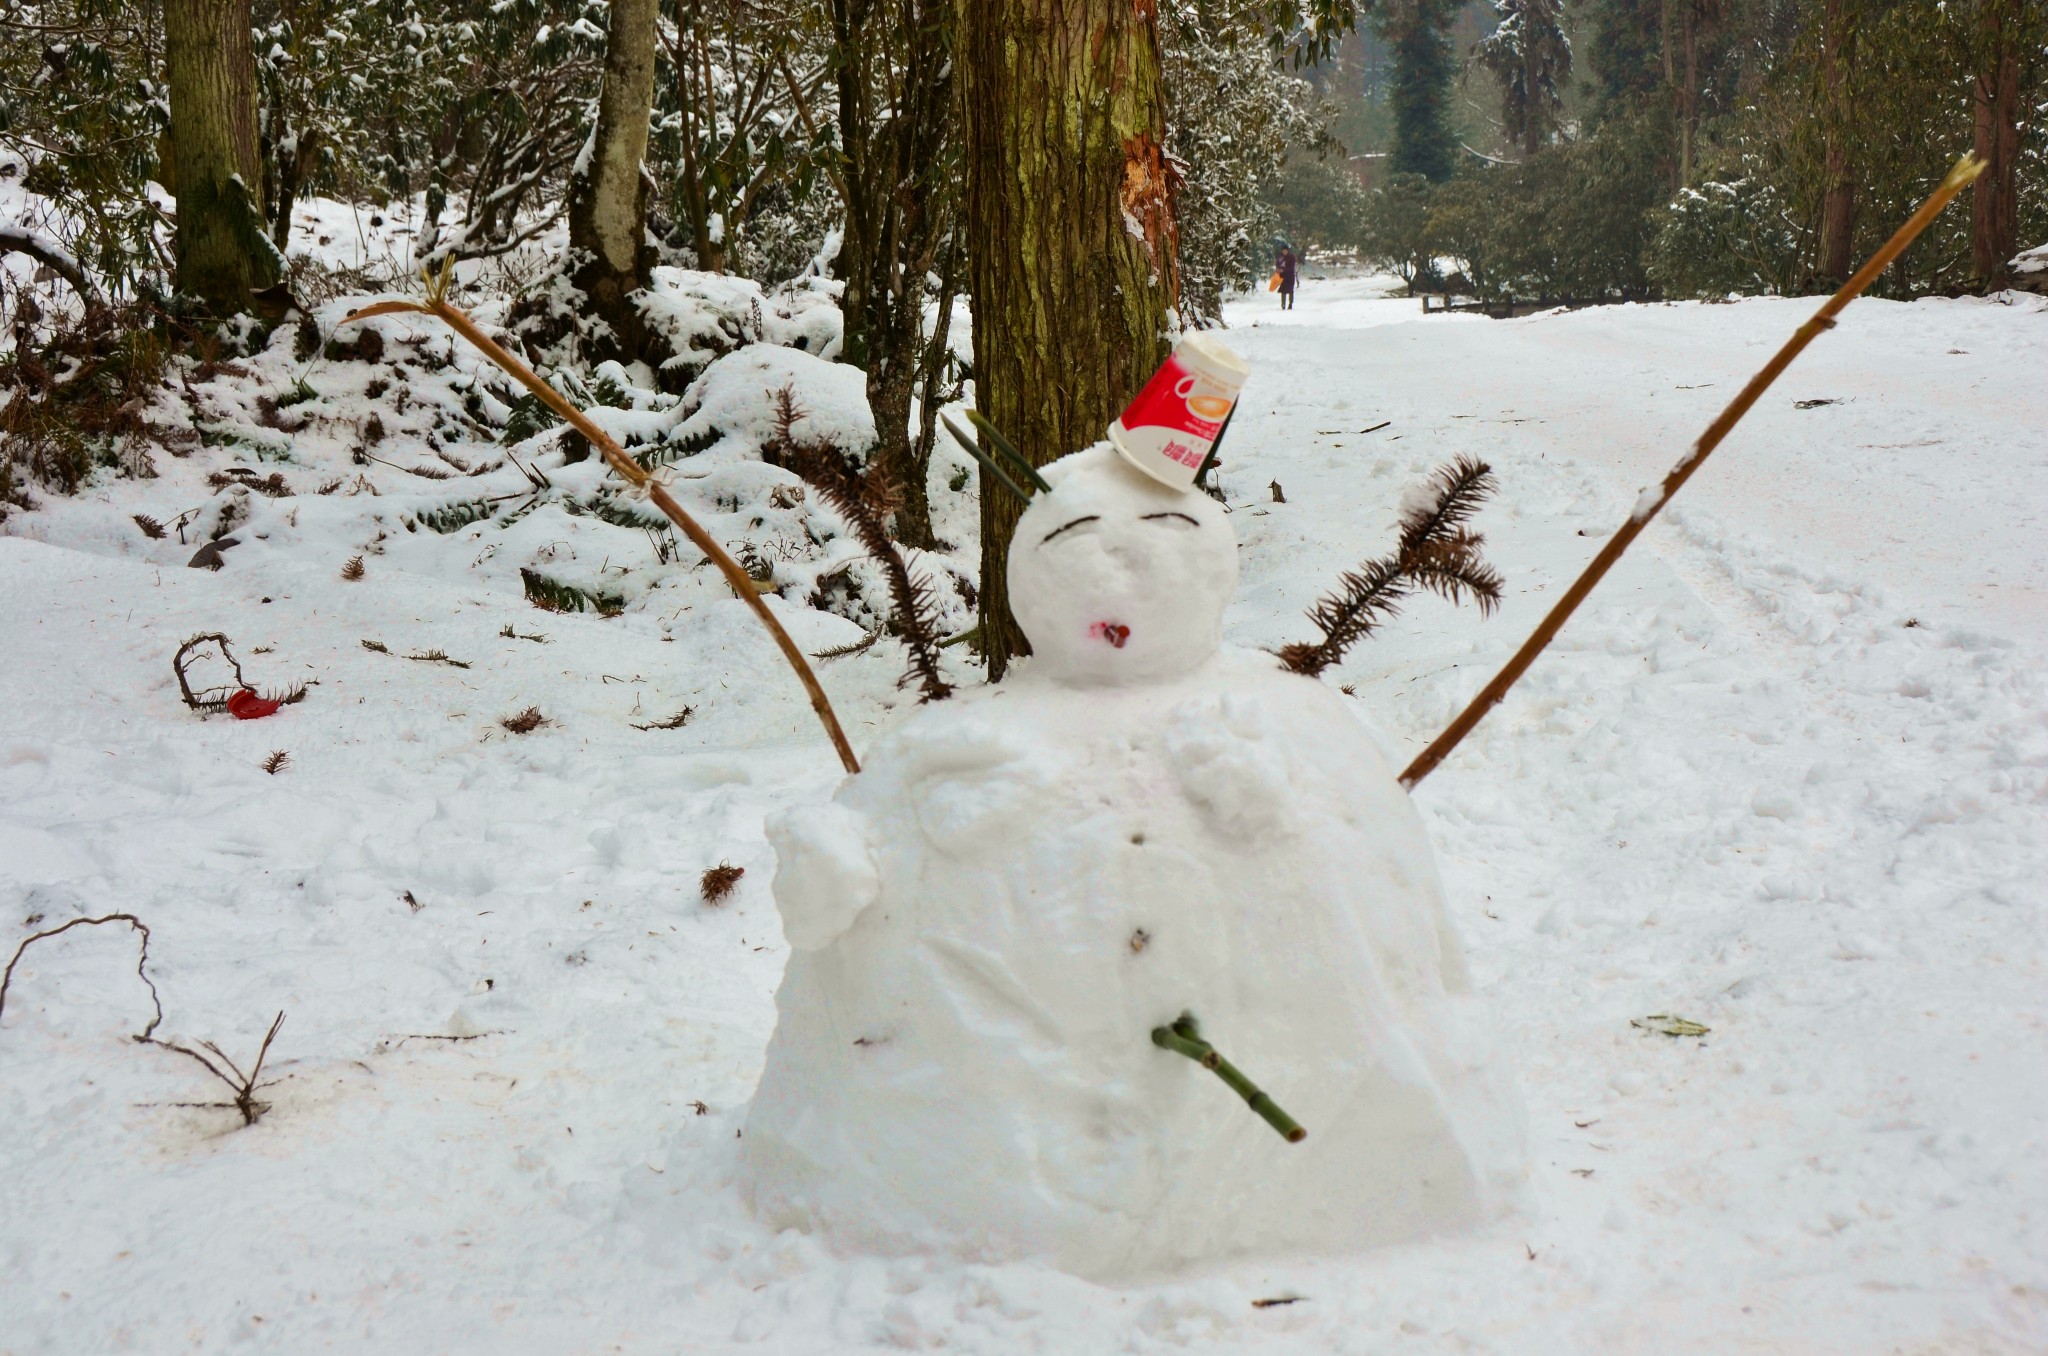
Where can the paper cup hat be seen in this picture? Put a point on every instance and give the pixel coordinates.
(1170, 429)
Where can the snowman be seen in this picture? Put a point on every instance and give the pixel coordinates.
(1023, 883)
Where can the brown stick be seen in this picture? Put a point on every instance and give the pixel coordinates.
(634, 474)
(141, 962)
(1647, 507)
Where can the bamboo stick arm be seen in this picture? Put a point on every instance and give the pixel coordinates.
(1184, 1038)
(1965, 172)
(636, 475)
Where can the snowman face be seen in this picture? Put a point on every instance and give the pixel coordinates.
(1117, 578)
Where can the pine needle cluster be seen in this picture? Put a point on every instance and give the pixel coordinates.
(866, 499)
(1437, 552)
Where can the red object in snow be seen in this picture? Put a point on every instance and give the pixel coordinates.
(248, 705)
(1114, 632)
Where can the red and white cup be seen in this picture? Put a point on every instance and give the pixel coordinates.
(1168, 430)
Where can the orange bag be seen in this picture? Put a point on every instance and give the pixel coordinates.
(1273, 283)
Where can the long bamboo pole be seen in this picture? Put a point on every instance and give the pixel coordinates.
(437, 305)
(1652, 501)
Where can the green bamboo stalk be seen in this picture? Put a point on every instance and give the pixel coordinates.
(1184, 1037)
(1008, 449)
(988, 463)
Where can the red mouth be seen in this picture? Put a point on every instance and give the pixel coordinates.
(1116, 633)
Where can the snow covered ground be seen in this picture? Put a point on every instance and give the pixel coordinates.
(1785, 776)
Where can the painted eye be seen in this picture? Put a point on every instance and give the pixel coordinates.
(1179, 522)
(1068, 527)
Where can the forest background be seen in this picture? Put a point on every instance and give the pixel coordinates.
(1088, 176)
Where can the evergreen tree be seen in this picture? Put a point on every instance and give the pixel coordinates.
(1530, 56)
(1418, 32)
(1255, 159)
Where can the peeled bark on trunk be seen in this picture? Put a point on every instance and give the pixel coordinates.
(1838, 200)
(1995, 98)
(608, 192)
(223, 255)
(1073, 271)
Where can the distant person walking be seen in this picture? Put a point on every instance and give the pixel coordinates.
(1289, 269)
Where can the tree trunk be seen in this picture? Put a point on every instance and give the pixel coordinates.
(1995, 97)
(223, 256)
(899, 176)
(1838, 200)
(1532, 100)
(294, 165)
(1689, 97)
(608, 193)
(1073, 269)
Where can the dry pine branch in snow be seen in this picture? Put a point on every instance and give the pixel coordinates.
(1436, 552)
(718, 882)
(525, 722)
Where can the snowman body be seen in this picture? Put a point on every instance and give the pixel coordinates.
(990, 919)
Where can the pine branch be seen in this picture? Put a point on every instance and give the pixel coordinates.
(865, 501)
(1436, 552)
(1456, 492)
(1453, 570)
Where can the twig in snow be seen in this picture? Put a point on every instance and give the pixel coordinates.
(718, 882)
(525, 722)
(849, 650)
(243, 1085)
(141, 962)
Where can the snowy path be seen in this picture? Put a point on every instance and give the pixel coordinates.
(1741, 788)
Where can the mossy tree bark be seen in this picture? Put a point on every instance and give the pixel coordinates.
(223, 256)
(1073, 271)
(608, 194)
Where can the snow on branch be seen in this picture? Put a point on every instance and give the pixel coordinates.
(54, 257)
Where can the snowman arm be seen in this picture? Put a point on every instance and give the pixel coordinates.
(825, 872)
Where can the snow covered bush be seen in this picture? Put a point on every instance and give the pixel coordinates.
(1726, 237)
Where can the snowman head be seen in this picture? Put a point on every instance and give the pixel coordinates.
(1117, 578)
